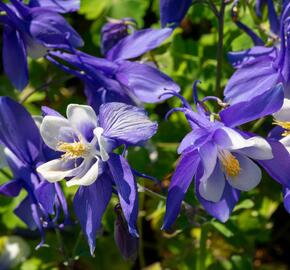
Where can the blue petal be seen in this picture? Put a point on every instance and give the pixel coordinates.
(222, 209)
(146, 82)
(61, 6)
(52, 29)
(90, 203)
(172, 11)
(286, 199)
(18, 131)
(138, 43)
(125, 123)
(278, 167)
(127, 190)
(14, 58)
(265, 104)
(45, 195)
(179, 184)
(11, 188)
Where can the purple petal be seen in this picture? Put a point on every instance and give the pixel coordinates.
(45, 195)
(14, 58)
(172, 11)
(179, 184)
(49, 111)
(125, 123)
(138, 43)
(127, 190)
(18, 131)
(52, 29)
(252, 80)
(278, 167)
(146, 82)
(286, 199)
(222, 209)
(11, 188)
(61, 6)
(90, 203)
(238, 59)
(265, 104)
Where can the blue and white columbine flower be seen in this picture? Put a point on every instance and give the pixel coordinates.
(87, 142)
(223, 162)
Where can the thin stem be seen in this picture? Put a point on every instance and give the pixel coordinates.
(44, 86)
(62, 248)
(258, 124)
(142, 262)
(202, 248)
(219, 57)
(6, 173)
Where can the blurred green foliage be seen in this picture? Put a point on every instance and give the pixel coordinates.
(256, 236)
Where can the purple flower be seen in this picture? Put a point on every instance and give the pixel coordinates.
(24, 151)
(116, 78)
(31, 31)
(86, 142)
(261, 80)
(115, 30)
(172, 12)
(223, 162)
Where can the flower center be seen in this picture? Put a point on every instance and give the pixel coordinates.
(230, 163)
(72, 150)
(284, 125)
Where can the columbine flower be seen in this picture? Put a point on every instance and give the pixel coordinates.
(262, 76)
(172, 12)
(24, 151)
(223, 162)
(115, 30)
(32, 30)
(117, 79)
(86, 142)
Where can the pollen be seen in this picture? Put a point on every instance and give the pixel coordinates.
(285, 125)
(72, 150)
(230, 163)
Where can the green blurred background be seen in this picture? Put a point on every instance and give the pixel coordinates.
(257, 236)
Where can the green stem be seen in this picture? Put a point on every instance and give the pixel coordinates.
(62, 249)
(202, 248)
(258, 124)
(142, 262)
(219, 57)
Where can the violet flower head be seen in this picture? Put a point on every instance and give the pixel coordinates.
(222, 160)
(261, 81)
(24, 151)
(115, 30)
(86, 142)
(116, 78)
(31, 30)
(172, 12)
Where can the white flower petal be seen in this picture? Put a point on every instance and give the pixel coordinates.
(212, 188)
(82, 118)
(284, 113)
(55, 130)
(286, 142)
(57, 169)
(249, 176)
(88, 178)
(260, 149)
(102, 143)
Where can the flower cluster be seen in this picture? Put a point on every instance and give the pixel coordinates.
(88, 147)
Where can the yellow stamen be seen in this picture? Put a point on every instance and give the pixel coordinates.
(230, 163)
(72, 150)
(285, 125)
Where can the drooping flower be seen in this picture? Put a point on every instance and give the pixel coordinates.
(116, 78)
(222, 160)
(31, 30)
(261, 80)
(24, 151)
(172, 12)
(86, 142)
